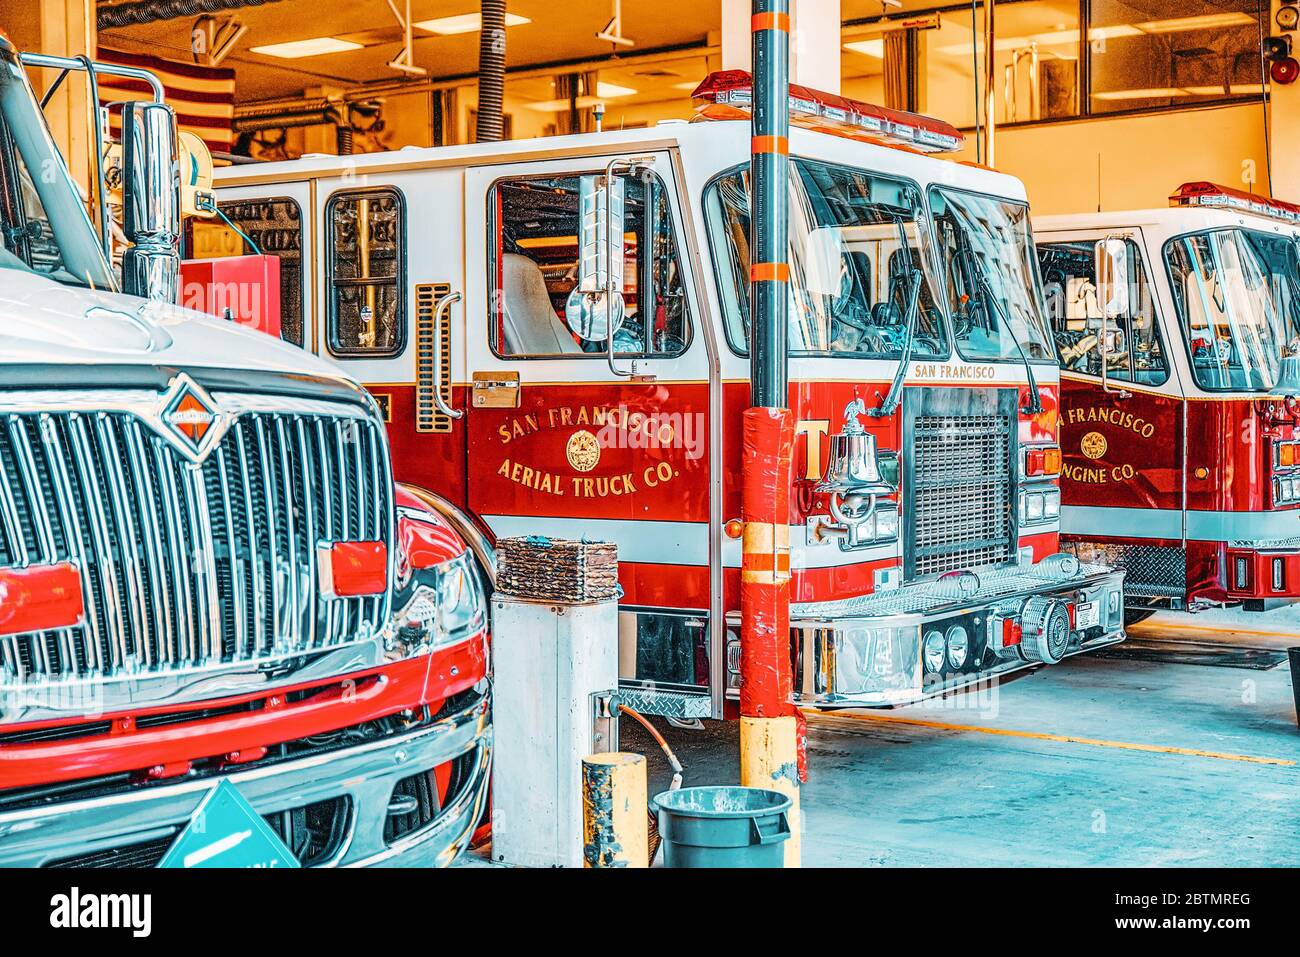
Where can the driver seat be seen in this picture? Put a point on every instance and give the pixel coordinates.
(530, 324)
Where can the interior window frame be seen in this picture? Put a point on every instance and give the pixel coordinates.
(303, 323)
(494, 211)
(332, 344)
(717, 257)
(1158, 311)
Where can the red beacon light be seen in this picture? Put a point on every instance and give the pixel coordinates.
(833, 114)
(1225, 197)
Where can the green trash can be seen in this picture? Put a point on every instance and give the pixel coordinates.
(723, 827)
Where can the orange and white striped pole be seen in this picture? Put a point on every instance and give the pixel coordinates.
(770, 736)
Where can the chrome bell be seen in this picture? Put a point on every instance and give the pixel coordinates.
(1288, 376)
(853, 465)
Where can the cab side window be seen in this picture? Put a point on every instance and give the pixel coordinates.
(535, 268)
(366, 272)
(1133, 348)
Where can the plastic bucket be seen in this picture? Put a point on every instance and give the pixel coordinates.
(723, 827)
(1294, 655)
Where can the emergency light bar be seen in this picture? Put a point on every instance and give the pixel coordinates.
(1225, 197)
(832, 114)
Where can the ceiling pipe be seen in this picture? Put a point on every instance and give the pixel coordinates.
(491, 71)
(135, 12)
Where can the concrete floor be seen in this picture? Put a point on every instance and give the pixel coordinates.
(1097, 761)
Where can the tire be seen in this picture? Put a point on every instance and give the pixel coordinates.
(1134, 615)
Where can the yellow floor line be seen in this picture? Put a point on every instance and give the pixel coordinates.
(1066, 738)
(1136, 630)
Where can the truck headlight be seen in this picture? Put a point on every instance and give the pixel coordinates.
(441, 605)
(886, 519)
(958, 642)
(933, 650)
(1040, 504)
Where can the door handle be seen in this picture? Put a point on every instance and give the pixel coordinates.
(441, 306)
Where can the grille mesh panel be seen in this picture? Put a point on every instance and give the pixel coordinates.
(961, 493)
(185, 567)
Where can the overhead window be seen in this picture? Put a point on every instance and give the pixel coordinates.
(365, 272)
(536, 302)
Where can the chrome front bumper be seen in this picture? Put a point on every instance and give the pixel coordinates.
(366, 774)
(868, 651)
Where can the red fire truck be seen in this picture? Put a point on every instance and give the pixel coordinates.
(557, 331)
(1181, 462)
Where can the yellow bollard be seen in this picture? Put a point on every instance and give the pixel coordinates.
(769, 758)
(615, 830)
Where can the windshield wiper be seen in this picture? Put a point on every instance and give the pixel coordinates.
(890, 403)
(990, 302)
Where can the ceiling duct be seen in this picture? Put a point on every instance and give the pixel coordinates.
(134, 12)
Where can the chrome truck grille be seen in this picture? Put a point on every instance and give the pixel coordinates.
(959, 450)
(189, 567)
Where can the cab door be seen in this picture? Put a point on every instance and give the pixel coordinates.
(1121, 432)
(565, 441)
(391, 290)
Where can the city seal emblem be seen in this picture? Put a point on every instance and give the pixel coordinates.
(583, 450)
(1093, 445)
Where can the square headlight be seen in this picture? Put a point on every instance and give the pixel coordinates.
(886, 521)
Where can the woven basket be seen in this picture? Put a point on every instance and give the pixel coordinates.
(556, 569)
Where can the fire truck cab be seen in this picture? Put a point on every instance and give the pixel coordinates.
(557, 330)
(1180, 445)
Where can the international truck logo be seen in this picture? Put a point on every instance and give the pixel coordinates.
(189, 418)
(1093, 445)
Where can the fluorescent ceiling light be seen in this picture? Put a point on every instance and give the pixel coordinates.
(604, 91)
(1237, 89)
(1208, 21)
(873, 48)
(1154, 93)
(464, 23)
(688, 87)
(301, 48)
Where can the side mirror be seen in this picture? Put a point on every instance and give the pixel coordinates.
(1112, 278)
(151, 201)
(596, 304)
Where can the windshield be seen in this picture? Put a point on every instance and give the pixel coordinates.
(44, 224)
(1238, 301)
(987, 251)
(861, 283)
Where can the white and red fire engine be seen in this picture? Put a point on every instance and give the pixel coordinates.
(557, 330)
(1181, 458)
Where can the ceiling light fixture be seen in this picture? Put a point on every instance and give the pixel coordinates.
(316, 46)
(464, 23)
(1153, 93)
(872, 48)
(604, 91)
(1208, 21)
